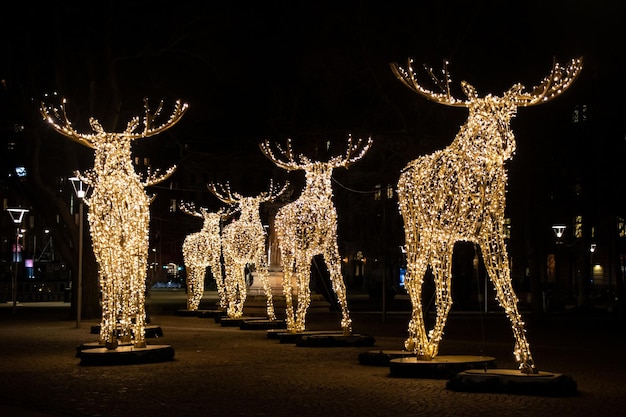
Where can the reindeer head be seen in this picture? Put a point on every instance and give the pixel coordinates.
(286, 158)
(224, 193)
(490, 116)
(559, 80)
(113, 150)
(211, 218)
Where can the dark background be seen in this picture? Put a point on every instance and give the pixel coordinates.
(313, 71)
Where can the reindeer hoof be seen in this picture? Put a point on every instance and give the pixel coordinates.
(529, 370)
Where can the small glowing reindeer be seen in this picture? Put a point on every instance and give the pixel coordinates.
(119, 217)
(308, 227)
(203, 249)
(243, 243)
(458, 194)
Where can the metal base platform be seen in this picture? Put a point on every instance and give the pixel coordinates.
(126, 355)
(335, 340)
(292, 337)
(187, 313)
(382, 357)
(513, 381)
(226, 321)
(262, 324)
(211, 313)
(440, 367)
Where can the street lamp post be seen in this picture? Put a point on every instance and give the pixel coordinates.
(383, 196)
(80, 188)
(17, 215)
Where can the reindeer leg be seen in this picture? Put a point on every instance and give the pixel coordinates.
(216, 270)
(108, 325)
(139, 311)
(287, 263)
(496, 262)
(267, 289)
(333, 261)
(303, 279)
(242, 289)
(192, 288)
(199, 290)
(231, 284)
(417, 263)
(442, 271)
(125, 303)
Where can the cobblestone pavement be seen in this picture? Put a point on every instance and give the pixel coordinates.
(225, 371)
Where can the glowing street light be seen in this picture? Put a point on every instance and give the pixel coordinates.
(559, 229)
(17, 215)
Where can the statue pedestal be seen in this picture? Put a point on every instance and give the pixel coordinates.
(276, 283)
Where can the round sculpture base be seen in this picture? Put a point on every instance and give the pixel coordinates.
(126, 355)
(226, 321)
(210, 314)
(513, 381)
(292, 337)
(440, 367)
(335, 340)
(262, 324)
(382, 357)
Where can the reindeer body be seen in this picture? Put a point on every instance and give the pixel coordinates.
(243, 244)
(123, 256)
(119, 220)
(201, 250)
(458, 194)
(308, 227)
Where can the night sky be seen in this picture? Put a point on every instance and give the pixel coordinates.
(316, 71)
(309, 70)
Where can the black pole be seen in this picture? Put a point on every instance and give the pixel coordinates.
(14, 286)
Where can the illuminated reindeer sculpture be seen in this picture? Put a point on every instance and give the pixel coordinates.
(243, 244)
(308, 227)
(203, 249)
(119, 218)
(458, 194)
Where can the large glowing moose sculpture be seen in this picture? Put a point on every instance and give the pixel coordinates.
(119, 218)
(458, 194)
(308, 227)
(203, 249)
(243, 244)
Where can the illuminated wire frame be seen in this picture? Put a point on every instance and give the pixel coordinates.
(201, 250)
(308, 227)
(119, 218)
(243, 244)
(458, 194)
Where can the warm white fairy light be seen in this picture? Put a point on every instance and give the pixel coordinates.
(203, 249)
(308, 227)
(458, 194)
(243, 244)
(119, 218)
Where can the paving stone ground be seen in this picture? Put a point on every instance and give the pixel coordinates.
(226, 371)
